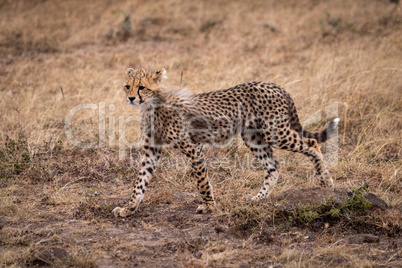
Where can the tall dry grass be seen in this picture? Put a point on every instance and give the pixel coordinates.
(55, 56)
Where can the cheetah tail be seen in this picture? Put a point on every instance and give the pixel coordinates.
(324, 135)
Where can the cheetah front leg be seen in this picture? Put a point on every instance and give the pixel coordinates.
(148, 166)
(200, 171)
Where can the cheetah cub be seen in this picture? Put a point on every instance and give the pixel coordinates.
(262, 113)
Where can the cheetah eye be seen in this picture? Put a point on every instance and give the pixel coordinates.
(141, 87)
(127, 87)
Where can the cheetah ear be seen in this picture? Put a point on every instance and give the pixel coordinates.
(159, 75)
(130, 72)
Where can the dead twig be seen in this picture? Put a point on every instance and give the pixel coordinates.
(185, 238)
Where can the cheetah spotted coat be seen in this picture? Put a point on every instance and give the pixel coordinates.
(262, 113)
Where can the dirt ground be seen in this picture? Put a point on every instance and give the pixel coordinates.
(59, 230)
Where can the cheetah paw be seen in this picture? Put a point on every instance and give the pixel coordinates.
(120, 212)
(203, 209)
(326, 180)
(251, 198)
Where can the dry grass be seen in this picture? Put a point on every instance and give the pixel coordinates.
(55, 55)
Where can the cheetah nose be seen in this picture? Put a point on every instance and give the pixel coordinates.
(131, 98)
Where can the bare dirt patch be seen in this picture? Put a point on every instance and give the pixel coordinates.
(74, 226)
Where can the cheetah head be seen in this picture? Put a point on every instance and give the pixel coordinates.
(143, 86)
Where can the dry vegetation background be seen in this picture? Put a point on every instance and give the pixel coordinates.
(56, 198)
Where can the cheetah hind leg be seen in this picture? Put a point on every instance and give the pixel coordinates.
(309, 149)
(326, 179)
(316, 158)
(263, 153)
(313, 143)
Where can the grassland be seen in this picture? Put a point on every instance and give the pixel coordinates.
(336, 58)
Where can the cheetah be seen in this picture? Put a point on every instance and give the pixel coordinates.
(263, 114)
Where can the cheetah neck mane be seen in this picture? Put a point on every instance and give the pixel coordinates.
(175, 97)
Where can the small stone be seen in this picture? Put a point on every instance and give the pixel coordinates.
(376, 201)
(365, 238)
